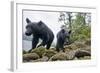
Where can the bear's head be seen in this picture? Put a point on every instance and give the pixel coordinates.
(66, 34)
(32, 27)
(28, 27)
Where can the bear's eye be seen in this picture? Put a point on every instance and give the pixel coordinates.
(28, 27)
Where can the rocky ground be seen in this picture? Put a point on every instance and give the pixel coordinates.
(75, 51)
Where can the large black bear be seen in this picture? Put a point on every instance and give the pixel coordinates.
(39, 30)
(62, 37)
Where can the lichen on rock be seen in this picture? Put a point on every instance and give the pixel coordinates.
(40, 51)
(59, 56)
(30, 56)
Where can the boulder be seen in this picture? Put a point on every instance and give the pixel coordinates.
(30, 56)
(53, 48)
(58, 56)
(71, 54)
(82, 53)
(43, 59)
(88, 48)
(87, 42)
(24, 52)
(80, 44)
(40, 51)
(49, 53)
(87, 57)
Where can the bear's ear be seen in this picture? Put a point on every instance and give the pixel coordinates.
(40, 23)
(69, 31)
(63, 31)
(27, 20)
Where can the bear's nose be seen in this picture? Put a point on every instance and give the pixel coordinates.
(27, 33)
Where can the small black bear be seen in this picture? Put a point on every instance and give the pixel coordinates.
(62, 37)
(39, 30)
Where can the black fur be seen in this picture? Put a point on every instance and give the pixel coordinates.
(39, 30)
(62, 37)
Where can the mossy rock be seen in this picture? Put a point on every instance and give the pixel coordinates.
(87, 42)
(68, 47)
(43, 59)
(74, 46)
(24, 52)
(77, 45)
(40, 51)
(88, 48)
(75, 58)
(78, 53)
(30, 56)
(49, 53)
(80, 44)
(71, 54)
(85, 58)
(58, 56)
(67, 50)
(53, 48)
(82, 53)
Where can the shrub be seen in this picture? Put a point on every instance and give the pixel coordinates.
(81, 33)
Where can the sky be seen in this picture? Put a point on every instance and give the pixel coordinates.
(49, 18)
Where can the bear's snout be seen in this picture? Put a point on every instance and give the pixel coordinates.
(28, 34)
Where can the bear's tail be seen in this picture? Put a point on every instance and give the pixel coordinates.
(27, 20)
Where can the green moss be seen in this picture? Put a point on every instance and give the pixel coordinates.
(88, 42)
(40, 51)
(49, 53)
(30, 56)
(80, 33)
(24, 52)
(59, 56)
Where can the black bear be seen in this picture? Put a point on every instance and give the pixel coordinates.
(62, 37)
(39, 30)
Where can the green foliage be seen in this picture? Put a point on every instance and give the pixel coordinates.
(80, 30)
(81, 33)
(79, 19)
